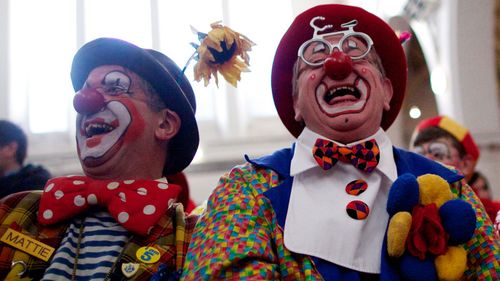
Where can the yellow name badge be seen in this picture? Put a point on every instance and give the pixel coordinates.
(27, 244)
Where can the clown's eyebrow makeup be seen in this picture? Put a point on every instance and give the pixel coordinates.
(352, 44)
(437, 149)
(319, 48)
(116, 82)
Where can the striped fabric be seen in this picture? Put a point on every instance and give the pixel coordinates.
(101, 243)
(171, 236)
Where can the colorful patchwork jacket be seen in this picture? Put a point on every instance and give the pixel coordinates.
(18, 212)
(240, 235)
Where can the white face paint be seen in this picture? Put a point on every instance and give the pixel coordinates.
(99, 132)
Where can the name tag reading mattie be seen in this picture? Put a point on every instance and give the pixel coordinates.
(27, 244)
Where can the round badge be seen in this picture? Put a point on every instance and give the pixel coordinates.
(148, 254)
(357, 210)
(356, 187)
(129, 269)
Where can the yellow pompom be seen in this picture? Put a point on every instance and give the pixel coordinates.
(434, 189)
(399, 227)
(452, 265)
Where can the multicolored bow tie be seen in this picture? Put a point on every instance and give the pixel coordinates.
(364, 156)
(136, 204)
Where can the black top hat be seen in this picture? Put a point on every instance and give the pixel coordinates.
(165, 77)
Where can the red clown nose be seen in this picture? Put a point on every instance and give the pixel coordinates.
(338, 65)
(88, 101)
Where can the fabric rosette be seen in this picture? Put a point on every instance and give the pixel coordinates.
(425, 232)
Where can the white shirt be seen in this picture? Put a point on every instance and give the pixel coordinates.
(317, 223)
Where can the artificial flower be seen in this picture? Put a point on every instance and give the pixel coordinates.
(424, 232)
(427, 233)
(222, 50)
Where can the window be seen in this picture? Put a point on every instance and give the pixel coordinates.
(41, 48)
(44, 35)
(264, 25)
(129, 20)
(175, 36)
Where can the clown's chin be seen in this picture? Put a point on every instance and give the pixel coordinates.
(92, 162)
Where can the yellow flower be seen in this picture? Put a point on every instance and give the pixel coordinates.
(222, 50)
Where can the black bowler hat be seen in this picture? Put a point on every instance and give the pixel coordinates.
(165, 77)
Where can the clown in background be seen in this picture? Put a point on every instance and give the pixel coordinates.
(320, 209)
(442, 139)
(135, 127)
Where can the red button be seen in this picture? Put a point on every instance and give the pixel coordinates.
(356, 187)
(357, 210)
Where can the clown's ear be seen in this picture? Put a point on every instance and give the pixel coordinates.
(388, 93)
(169, 124)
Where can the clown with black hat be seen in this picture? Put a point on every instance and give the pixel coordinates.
(317, 210)
(135, 128)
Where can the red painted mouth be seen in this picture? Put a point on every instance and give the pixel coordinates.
(101, 133)
(341, 94)
(335, 100)
(99, 126)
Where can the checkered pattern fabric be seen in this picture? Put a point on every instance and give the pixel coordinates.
(238, 237)
(171, 236)
(18, 212)
(357, 210)
(484, 248)
(356, 187)
(364, 156)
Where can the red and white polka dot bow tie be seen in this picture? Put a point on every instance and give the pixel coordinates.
(136, 204)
